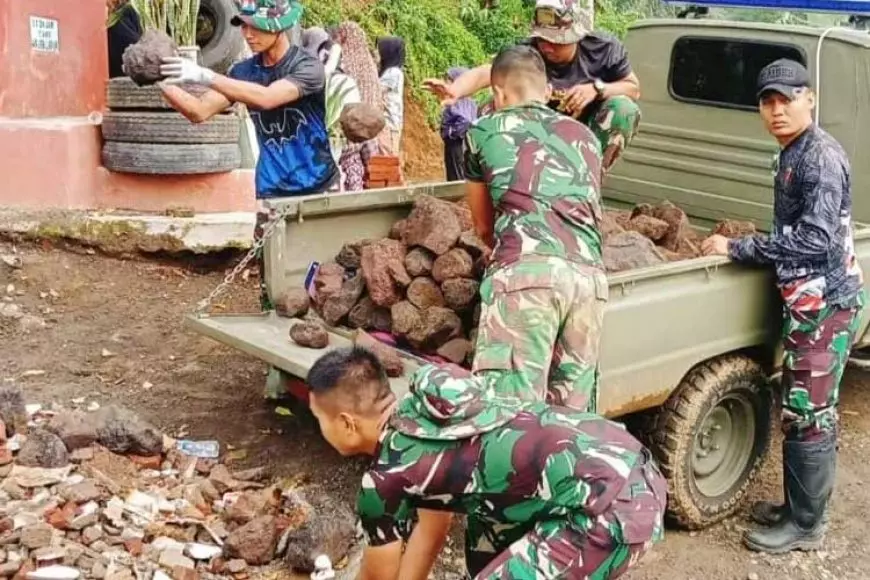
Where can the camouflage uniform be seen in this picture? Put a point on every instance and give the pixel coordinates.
(543, 297)
(823, 297)
(550, 492)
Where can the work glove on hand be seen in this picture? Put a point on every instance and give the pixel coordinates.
(179, 70)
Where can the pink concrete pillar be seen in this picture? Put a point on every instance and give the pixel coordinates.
(43, 78)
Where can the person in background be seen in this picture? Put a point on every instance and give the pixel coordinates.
(455, 121)
(589, 72)
(343, 88)
(391, 51)
(812, 250)
(123, 28)
(549, 492)
(357, 62)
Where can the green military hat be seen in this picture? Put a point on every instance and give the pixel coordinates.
(268, 15)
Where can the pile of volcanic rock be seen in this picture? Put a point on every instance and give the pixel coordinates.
(421, 284)
(649, 235)
(103, 494)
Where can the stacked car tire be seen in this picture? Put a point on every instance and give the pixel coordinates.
(144, 135)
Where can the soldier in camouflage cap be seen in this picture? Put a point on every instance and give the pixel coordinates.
(533, 183)
(589, 71)
(549, 492)
(267, 15)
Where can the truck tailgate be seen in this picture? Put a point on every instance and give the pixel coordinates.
(266, 337)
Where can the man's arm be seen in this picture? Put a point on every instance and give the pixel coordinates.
(476, 189)
(256, 96)
(465, 85)
(381, 562)
(482, 210)
(425, 544)
(628, 86)
(196, 109)
(809, 239)
(307, 76)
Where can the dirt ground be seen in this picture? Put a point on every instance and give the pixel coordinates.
(114, 332)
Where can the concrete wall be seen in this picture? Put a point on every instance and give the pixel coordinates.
(68, 81)
(50, 149)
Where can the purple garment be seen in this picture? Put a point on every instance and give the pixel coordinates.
(458, 117)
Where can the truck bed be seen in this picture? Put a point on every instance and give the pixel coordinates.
(659, 322)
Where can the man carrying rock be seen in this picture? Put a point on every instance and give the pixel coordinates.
(589, 71)
(550, 492)
(533, 185)
(821, 283)
(283, 87)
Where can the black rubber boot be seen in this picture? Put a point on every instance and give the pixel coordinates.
(808, 470)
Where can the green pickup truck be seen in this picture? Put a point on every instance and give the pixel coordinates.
(689, 348)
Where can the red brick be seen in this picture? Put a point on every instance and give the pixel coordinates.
(60, 518)
(134, 547)
(146, 462)
(182, 573)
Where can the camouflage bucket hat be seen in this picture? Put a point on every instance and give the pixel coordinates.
(448, 403)
(268, 15)
(563, 21)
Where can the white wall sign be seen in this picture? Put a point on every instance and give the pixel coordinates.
(44, 34)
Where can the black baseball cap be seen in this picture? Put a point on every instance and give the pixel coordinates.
(784, 76)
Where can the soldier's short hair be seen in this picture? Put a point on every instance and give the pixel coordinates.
(521, 63)
(352, 378)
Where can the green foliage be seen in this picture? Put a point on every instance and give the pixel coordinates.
(176, 17)
(498, 27)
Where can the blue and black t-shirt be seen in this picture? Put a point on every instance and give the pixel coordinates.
(295, 157)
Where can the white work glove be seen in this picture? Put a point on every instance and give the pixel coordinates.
(179, 70)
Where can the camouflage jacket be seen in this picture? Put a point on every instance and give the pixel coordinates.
(452, 446)
(811, 246)
(543, 172)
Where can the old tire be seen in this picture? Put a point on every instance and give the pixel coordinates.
(168, 127)
(166, 159)
(220, 42)
(122, 93)
(711, 438)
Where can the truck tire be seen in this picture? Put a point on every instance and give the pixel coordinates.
(122, 93)
(711, 438)
(165, 159)
(137, 127)
(220, 43)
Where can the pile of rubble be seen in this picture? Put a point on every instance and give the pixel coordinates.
(649, 235)
(420, 286)
(103, 494)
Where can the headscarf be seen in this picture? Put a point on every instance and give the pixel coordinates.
(392, 52)
(458, 117)
(313, 39)
(357, 62)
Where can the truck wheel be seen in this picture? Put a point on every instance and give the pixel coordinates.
(220, 43)
(711, 437)
(166, 159)
(141, 127)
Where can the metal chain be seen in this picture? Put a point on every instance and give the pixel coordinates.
(268, 230)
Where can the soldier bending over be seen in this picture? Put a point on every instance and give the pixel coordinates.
(549, 492)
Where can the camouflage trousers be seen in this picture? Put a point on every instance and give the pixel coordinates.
(578, 547)
(540, 325)
(614, 121)
(816, 347)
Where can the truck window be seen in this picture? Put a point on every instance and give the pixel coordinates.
(721, 72)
